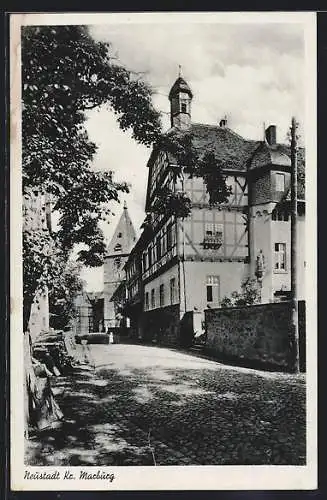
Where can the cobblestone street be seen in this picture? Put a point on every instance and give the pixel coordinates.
(143, 405)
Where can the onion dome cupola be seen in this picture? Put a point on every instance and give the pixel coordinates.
(180, 97)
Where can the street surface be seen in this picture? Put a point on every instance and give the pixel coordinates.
(143, 405)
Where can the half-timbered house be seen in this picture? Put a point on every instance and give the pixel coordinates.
(189, 264)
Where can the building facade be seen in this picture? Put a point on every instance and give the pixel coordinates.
(89, 313)
(182, 266)
(100, 310)
(118, 251)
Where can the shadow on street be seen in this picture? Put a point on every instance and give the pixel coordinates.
(143, 405)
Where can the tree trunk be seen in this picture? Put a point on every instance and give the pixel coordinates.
(27, 306)
(29, 375)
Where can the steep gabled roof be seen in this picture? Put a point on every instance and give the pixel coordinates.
(270, 155)
(124, 237)
(180, 85)
(222, 141)
(239, 154)
(225, 143)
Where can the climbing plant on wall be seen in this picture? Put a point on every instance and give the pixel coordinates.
(211, 169)
(170, 203)
(199, 162)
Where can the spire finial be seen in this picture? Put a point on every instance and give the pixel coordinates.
(179, 70)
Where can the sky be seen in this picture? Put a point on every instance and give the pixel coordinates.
(252, 73)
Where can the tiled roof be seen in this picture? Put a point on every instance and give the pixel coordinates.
(270, 155)
(239, 154)
(222, 141)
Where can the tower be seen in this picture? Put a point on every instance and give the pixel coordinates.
(119, 248)
(180, 97)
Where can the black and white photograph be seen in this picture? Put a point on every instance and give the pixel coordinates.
(163, 293)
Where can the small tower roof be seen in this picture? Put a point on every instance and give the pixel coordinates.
(124, 237)
(180, 85)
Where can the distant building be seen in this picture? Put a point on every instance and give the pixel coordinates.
(89, 317)
(97, 311)
(179, 267)
(118, 251)
(134, 293)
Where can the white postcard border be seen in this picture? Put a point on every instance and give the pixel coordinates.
(161, 478)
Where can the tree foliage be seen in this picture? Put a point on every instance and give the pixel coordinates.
(65, 73)
(211, 169)
(171, 203)
(249, 295)
(199, 162)
(180, 146)
(63, 292)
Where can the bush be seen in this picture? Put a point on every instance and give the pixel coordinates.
(250, 294)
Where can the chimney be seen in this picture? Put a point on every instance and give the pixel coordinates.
(271, 135)
(223, 122)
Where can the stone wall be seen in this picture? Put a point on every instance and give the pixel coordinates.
(257, 335)
(162, 326)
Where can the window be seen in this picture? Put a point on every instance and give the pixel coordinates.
(280, 182)
(213, 235)
(280, 257)
(162, 295)
(119, 235)
(169, 236)
(144, 262)
(153, 298)
(183, 107)
(173, 290)
(117, 262)
(118, 247)
(164, 245)
(213, 289)
(149, 256)
(280, 215)
(146, 301)
(158, 247)
(214, 229)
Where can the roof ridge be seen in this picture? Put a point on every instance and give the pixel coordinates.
(209, 125)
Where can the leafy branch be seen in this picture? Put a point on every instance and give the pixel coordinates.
(197, 162)
(65, 73)
(171, 203)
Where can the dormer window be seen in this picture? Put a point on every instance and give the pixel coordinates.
(119, 235)
(118, 247)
